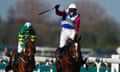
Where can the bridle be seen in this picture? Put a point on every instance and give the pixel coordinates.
(72, 57)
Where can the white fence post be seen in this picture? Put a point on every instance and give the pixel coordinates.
(115, 66)
(98, 65)
(106, 67)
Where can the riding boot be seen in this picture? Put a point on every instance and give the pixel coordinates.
(33, 62)
(16, 58)
(60, 54)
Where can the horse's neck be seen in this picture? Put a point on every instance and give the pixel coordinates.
(68, 55)
(24, 56)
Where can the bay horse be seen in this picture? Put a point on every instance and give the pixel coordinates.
(26, 61)
(71, 60)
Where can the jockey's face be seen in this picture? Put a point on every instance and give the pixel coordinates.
(72, 12)
(27, 31)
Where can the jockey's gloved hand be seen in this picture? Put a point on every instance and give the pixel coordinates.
(57, 6)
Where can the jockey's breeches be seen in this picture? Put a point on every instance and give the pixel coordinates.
(64, 35)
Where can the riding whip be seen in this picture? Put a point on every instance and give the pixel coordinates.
(45, 11)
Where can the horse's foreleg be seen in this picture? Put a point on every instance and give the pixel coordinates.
(33, 61)
(58, 67)
(59, 70)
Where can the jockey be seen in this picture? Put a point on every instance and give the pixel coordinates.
(70, 25)
(25, 33)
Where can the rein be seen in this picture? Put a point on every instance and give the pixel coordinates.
(23, 60)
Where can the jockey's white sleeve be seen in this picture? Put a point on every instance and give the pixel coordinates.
(19, 48)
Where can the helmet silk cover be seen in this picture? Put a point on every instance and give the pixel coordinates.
(27, 26)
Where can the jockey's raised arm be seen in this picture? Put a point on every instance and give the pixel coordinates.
(70, 24)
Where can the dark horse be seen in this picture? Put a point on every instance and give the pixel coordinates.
(72, 59)
(26, 61)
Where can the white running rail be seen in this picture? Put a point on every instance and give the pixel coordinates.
(98, 61)
(114, 61)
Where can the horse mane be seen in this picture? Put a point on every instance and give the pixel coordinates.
(29, 43)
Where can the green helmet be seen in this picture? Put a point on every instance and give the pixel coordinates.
(28, 25)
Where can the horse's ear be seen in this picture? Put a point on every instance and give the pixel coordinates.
(79, 38)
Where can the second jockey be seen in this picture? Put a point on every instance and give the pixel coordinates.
(27, 32)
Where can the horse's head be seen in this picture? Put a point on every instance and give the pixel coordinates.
(74, 48)
(30, 48)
